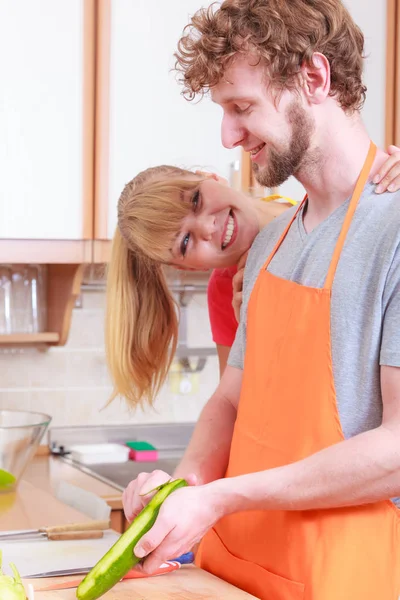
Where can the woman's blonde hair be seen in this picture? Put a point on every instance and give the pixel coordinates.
(141, 312)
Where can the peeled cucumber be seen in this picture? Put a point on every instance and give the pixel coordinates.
(120, 559)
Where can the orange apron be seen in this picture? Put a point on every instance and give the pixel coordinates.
(288, 411)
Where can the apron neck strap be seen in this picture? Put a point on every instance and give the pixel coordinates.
(284, 234)
(362, 180)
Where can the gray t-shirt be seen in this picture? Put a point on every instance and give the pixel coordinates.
(365, 307)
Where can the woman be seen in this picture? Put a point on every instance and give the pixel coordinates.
(169, 216)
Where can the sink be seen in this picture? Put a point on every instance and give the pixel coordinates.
(119, 475)
(171, 441)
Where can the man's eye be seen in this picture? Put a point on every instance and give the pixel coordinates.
(242, 111)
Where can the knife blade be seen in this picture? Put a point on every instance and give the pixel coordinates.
(74, 583)
(184, 559)
(60, 573)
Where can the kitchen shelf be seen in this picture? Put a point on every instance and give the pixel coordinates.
(21, 251)
(15, 339)
(63, 286)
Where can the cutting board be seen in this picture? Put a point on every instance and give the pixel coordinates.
(188, 583)
(32, 557)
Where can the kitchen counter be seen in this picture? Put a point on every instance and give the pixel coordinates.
(33, 505)
(30, 507)
(47, 471)
(188, 583)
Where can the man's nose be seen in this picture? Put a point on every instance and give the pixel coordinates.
(231, 134)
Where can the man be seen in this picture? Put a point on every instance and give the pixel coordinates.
(295, 460)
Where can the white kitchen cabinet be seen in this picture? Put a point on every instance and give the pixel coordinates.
(62, 128)
(142, 118)
(46, 122)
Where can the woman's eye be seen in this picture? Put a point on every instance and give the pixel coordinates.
(184, 244)
(196, 200)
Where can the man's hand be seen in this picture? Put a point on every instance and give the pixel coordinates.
(141, 490)
(237, 284)
(184, 518)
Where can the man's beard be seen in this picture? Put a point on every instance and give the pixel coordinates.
(283, 164)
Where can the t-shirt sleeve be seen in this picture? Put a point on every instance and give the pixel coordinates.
(390, 345)
(222, 317)
(236, 355)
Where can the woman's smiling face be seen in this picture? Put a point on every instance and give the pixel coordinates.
(219, 229)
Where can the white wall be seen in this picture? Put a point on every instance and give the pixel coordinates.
(372, 21)
(71, 383)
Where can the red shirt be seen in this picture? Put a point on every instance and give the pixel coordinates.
(220, 294)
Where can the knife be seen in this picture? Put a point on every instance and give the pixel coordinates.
(70, 531)
(60, 573)
(55, 585)
(184, 559)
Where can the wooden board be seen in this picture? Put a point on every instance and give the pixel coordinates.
(41, 556)
(189, 583)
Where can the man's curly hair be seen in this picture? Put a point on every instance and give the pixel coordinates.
(282, 35)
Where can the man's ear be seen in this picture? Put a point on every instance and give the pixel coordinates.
(316, 79)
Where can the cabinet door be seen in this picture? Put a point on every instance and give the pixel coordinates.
(46, 119)
(373, 23)
(143, 119)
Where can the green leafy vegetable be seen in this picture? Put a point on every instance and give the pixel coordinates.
(11, 588)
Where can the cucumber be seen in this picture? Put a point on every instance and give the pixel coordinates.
(120, 558)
